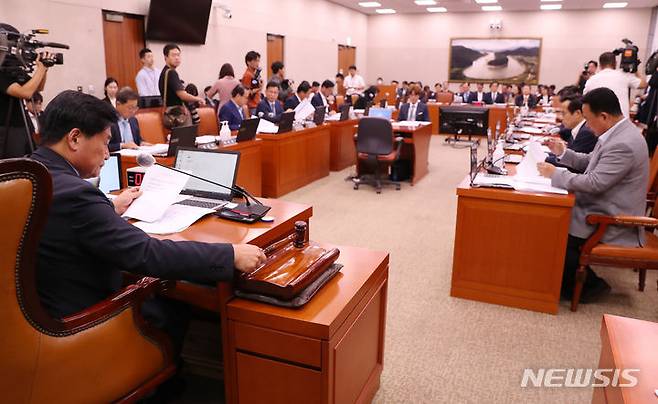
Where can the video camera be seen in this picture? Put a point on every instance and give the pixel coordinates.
(629, 60)
(20, 51)
(255, 82)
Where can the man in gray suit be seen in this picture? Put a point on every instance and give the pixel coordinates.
(614, 182)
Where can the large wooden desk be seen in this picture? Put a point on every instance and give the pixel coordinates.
(496, 114)
(294, 159)
(343, 151)
(329, 351)
(510, 246)
(249, 170)
(627, 343)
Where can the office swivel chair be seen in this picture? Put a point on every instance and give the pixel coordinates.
(376, 149)
(106, 353)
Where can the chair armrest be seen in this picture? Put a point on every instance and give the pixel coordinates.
(131, 295)
(623, 220)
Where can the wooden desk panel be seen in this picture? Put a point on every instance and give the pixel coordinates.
(627, 343)
(292, 160)
(510, 247)
(417, 146)
(343, 150)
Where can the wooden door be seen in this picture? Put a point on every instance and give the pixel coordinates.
(346, 58)
(124, 37)
(274, 52)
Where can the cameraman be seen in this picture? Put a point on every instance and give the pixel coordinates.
(16, 85)
(618, 81)
(252, 81)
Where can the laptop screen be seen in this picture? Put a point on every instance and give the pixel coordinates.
(216, 166)
(110, 176)
(381, 112)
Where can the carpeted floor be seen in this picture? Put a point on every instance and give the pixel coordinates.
(443, 349)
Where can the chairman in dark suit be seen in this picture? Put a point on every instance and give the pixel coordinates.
(525, 99)
(86, 244)
(270, 108)
(496, 96)
(321, 99)
(614, 182)
(302, 91)
(125, 132)
(578, 136)
(233, 111)
(480, 95)
(414, 110)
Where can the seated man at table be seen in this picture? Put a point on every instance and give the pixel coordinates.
(234, 111)
(525, 99)
(496, 96)
(414, 110)
(480, 95)
(86, 244)
(270, 108)
(302, 92)
(125, 132)
(578, 136)
(614, 182)
(322, 97)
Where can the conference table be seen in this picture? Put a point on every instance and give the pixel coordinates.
(328, 351)
(294, 159)
(510, 246)
(249, 169)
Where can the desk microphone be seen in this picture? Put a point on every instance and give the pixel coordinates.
(246, 212)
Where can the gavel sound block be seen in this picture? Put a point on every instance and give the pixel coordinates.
(291, 265)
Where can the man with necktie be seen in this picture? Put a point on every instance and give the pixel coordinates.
(321, 98)
(233, 111)
(125, 132)
(270, 108)
(414, 110)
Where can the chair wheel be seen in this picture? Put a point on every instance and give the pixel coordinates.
(379, 191)
(397, 188)
(356, 186)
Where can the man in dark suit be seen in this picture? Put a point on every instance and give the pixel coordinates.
(233, 111)
(480, 95)
(302, 91)
(496, 96)
(464, 92)
(125, 132)
(525, 99)
(414, 110)
(578, 136)
(321, 99)
(270, 108)
(86, 244)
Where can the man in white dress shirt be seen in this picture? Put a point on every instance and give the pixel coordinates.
(354, 84)
(148, 76)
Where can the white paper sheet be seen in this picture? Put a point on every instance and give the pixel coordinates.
(411, 123)
(265, 126)
(160, 188)
(175, 219)
(205, 139)
(304, 109)
(527, 168)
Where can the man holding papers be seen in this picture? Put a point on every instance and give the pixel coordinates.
(614, 182)
(86, 244)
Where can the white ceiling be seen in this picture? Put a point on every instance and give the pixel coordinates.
(409, 7)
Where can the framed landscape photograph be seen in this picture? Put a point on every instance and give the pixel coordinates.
(506, 60)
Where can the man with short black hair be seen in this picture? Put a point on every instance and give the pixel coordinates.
(125, 132)
(302, 92)
(175, 93)
(575, 132)
(322, 96)
(315, 87)
(252, 80)
(233, 111)
(147, 76)
(480, 95)
(278, 73)
(496, 96)
(618, 81)
(270, 108)
(414, 110)
(340, 79)
(613, 183)
(34, 107)
(525, 99)
(86, 244)
(354, 84)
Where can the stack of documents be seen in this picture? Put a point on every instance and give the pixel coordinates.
(304, 109)
(158, 148)
(206, 139)
(175, 219)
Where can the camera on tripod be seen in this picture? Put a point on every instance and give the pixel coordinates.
(255, 82)
(20, 51)
(629, 60)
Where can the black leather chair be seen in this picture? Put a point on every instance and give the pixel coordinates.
(376, 149)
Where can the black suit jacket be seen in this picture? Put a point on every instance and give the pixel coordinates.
(85, 245)
(486, 97)
(264, 110)
(115, 141)
(421, 112)
(500, 98)
(316, 101)
(291, 102)
(583, 143)
(532, 101)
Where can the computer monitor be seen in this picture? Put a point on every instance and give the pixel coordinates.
(219, 166)
(110, 176)
(182, 136)
(150, 101)
(386, 113)
(464, 120)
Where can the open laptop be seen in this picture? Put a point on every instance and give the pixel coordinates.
(247, 130)
(285, 124)
(318, 115)
(220, 166)
(182, 136)
(386, 113)
(110, 175)
(345, 112)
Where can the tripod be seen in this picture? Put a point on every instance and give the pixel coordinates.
(5, 131)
